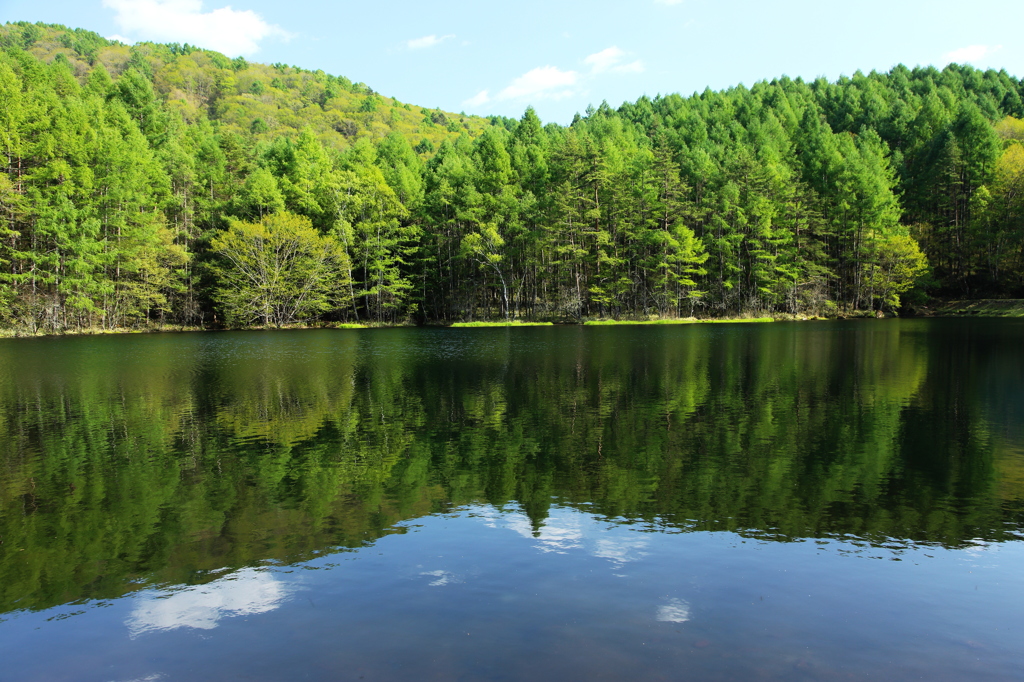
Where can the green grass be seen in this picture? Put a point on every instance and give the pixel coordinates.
(512, 323)
(1010, 307)
(594, 323)
(348, 325)
(677, 321)
(740, 319)
(153, 328)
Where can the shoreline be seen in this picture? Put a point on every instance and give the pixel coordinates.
(980, 308)
(688, 320)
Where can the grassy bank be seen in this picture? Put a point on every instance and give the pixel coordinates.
(152, 329)
(509, 323)
(98, 331)
(984, 307)
(687, 320)
(976, 308)
(157, 329)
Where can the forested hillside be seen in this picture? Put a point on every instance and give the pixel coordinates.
(169, 184)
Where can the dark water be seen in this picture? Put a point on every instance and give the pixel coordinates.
(810, 501)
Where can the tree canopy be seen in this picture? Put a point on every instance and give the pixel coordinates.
(277, 271)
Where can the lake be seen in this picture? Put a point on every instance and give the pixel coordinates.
(786, 501)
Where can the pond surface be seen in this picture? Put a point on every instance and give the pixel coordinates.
(807, 501)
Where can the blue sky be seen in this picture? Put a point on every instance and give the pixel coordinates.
(490, 58)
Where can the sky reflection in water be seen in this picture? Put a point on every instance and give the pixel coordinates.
(481, 592)
(242, 593)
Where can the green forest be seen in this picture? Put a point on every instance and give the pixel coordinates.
(157, 185)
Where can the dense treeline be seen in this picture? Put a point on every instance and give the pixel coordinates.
(168, 183)
(162, 458)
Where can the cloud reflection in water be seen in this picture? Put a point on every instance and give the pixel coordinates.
(567, 529)
(675, 611)
(242, 593)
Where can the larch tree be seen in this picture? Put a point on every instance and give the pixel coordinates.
(277, 271)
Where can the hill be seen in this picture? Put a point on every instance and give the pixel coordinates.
(244, 97)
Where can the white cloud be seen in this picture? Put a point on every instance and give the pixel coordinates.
(233, 32)
(121, 39)
(610, 59)
(633, 67)
(550, 82)
(479, 99)
(605, 59)
(973, 53)
(427, 41)
(545, 82)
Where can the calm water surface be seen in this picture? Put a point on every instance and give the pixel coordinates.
(812, 501)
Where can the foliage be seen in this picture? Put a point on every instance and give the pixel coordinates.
(897, 265)
(277, 271)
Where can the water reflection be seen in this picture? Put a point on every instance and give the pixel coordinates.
(475, 592)
(246, 592)
(190, 453)
(565, 530)
(441, 578)
(675, 611)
